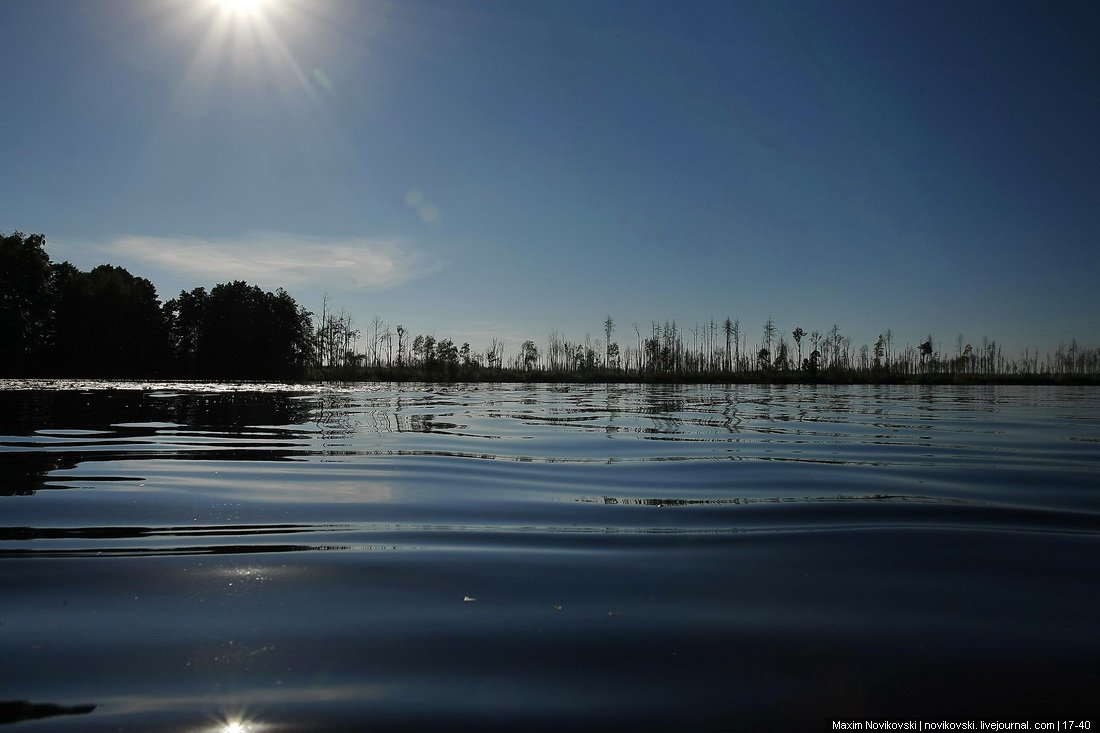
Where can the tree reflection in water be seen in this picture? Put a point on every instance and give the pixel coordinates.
(16, 711)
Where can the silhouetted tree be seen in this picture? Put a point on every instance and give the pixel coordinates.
(423, 348)
(447, 356)
(494, 355)
(185, 316)
(322, 348)
(812, 363)
(247, 333)
(528, 355)
(290, 334)
(737, 342)
(107, 323)
(387, 339)
(925, 352)
(763, 360)
(614, 357)
(798, 333)
(69, 297)
(769, 333)
(24, 302)
(835, 352)
(782, 358)
(608, 329)
(727, 328)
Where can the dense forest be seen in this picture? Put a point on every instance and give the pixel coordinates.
(57, 321)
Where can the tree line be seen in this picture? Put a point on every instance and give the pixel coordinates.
(56, 320)
(715, 351)
(59, 321)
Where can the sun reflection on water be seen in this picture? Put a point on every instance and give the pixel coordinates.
(239, 723)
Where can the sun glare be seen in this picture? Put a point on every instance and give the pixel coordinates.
(236, 725)
(242, 7)
(241, 56)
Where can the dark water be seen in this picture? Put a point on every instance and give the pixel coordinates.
(179, 558)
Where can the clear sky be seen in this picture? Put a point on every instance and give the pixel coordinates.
(480, 169)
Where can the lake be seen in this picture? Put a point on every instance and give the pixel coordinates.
(183, 557)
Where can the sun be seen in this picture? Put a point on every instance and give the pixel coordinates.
(242, 7)
(245, 46)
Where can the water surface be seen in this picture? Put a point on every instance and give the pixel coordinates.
(623, 557)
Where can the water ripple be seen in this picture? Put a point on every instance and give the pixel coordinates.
(176, 557)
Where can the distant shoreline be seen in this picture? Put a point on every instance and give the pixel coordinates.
(60, 322)
(505, 375)
(490, 375)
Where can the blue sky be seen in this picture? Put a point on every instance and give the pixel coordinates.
(481, 169)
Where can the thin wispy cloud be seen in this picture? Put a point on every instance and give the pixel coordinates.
(279, 259)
